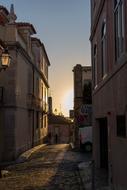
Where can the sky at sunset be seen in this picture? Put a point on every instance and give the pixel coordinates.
(64, 28)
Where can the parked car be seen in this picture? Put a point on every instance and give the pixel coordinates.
(85, 134)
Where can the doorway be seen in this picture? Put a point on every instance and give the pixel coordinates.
(103, 129)
(56, 139)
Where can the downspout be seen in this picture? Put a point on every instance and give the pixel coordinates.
(33, 111)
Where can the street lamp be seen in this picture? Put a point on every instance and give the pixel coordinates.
(5, 60)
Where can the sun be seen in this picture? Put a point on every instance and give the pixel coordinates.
(67, 103)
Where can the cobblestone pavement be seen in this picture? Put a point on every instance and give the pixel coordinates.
(54, 167)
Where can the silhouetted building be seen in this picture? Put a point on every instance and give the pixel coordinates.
(82, 99)
(24, 105)
(109, 67)
(60, 129)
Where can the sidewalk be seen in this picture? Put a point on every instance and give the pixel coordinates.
(22, 158)
(87, 174)
(92, 178)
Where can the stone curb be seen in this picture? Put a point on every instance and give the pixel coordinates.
(85, 171)
(72, 145)
(85, 174)
(22, 158)
(26, 155)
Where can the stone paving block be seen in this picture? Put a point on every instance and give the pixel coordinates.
(44, 172)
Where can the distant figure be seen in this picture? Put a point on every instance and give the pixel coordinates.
(56, 138)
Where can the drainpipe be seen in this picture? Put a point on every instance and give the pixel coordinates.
(33, 112)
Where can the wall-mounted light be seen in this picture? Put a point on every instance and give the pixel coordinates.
(5, 59)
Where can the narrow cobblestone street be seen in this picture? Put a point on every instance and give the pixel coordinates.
(53, 167)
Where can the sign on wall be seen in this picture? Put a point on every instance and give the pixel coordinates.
(84, 116)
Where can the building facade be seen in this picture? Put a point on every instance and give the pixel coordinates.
(82, 99)
(2, 46)
(60, 129)
(24, 106)
(109, 65)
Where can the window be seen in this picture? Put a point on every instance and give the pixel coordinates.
(37, 87)
(37, 119)
(46, 71)
(121, 125)
(45, 121)
(42, 91)
(95, 65)
(87, 93)
(43, 64)
(41, 120)
(119, 27)
(103, 49)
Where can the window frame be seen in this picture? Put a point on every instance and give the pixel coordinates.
(119, 28)
(121, 129)
(95, 65)
(103, 50)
